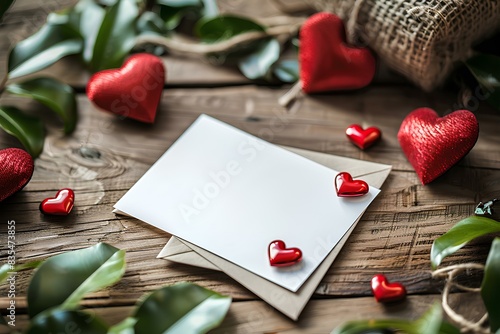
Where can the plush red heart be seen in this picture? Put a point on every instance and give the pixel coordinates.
(132, 91)
(327, 62)
(385, 291)
(347, 187)
(16, 169)
(433, 144)
(280, 256)
(61, 205)
(363, 138)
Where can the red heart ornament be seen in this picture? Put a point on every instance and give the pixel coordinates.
(347, 187)
(327, 62)
(132, 91)
(363, 138)
(61, 205)
(385, 291)
(280, 256)
(434, 144)
(16, 169)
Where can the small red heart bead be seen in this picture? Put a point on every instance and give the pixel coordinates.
(16, 169)
(347, 187)
(61, 205)
(385, 291)
(327, 62)
(132, 91)
(363, 138)
(434, 144)
(280, 256)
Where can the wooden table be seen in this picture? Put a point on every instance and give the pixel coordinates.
(394, 236)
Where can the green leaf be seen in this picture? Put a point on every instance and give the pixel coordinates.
(53, 41)
(257, 64)
(116, 35)
(224, 27)
(489, 287)
(486, 70)
(124, 327)
(287, 70)
(66, 278)
(181, 308)
(180, 3)
(27, 129)
(459, 235)
(172, 11)
(210, 8)
(151, 23)
(4, 5)
(7, 268)
(54, 94)
(67, 321)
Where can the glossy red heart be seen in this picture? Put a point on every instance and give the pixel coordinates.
(347, 187)
(434, 144)
(61, 205)
(385, 291)
(132, 91)
(327, 62)
(363, 138)
(16, 169)
(280, 256)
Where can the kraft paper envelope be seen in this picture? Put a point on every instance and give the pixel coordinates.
(288, 302)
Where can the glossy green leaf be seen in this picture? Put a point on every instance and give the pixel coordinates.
(180, 3)
(257, 64)
(56, 95)
(6, 269)
(116, 35)
(124, 327)
(63, 280)
(489, 287)
(287, 70)
(224, 27)
(151, 23)
(486, 70)
(27, 129)
(4, 5)
(53, 41)
(459, 235)
(172, 11)
(181, 308)
(210, 8)
(67, 321)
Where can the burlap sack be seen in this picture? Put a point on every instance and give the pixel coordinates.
(422, 39)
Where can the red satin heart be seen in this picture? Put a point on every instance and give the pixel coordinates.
(433, 144)
(61, 205)
(280, 256)
(132, 91)
(327, 62)
(363, 138)
(16, 169)
(385, 291)
(347, 187)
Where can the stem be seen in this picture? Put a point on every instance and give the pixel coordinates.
(3, 83)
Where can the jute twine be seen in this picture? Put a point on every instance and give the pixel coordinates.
(422, 39)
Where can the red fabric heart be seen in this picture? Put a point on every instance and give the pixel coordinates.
(280, 256)
(433, 144)
(347, 187)
(16, 169)
(327, 62)
(132, 91)
(363, 138)
(385, 291)
(61, 205)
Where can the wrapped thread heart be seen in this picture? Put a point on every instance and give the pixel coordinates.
(363, 138)
(61, 205)
(434, 144)
(280, 256)
(132, 91)
(385, 291)
(347, 187)
(327, 62)
(16, 170)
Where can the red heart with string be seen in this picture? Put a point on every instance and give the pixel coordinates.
(363, 138)
(327, 62)
(385, 291)
(61, 205)
(434, 144)
(132, 91)
(347, 187)
(16, 169)
(280, 256)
